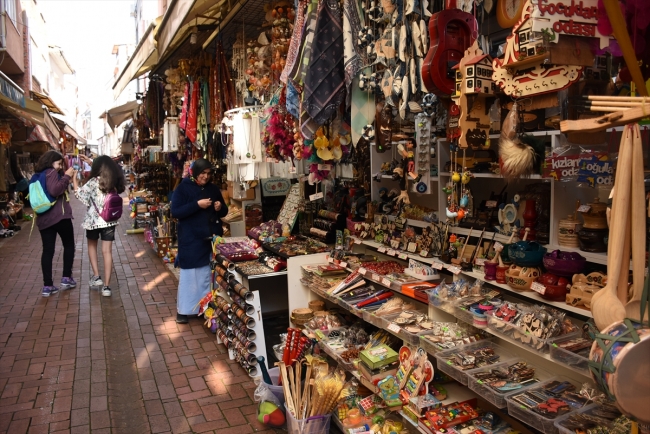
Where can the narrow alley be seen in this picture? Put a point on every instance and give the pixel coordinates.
(77, 362)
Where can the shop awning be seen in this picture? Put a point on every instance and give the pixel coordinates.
(119, 114)
(142, 60)
(182, 17)
(47, 102)
(32, 114)
(68, 129)
(41, 134)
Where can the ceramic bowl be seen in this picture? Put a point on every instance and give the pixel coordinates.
(564, 264)
(526, 253)
(556, 287)
(521, 278)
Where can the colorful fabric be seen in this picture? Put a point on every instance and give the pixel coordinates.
(89, 191)
(324, 87)
(300, 68)
(296, 40)
(353, 57)
(362, 108)
(192, 114)
(193, 285)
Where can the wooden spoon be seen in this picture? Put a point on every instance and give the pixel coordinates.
(457, 260)
(633, 308)
(605, 306)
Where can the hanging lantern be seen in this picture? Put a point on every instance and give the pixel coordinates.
(5, 133)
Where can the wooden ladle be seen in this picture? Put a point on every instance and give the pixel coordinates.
(637, 203)
(605, 306)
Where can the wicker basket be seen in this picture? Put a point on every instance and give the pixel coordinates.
(301, 316)
(317, 305)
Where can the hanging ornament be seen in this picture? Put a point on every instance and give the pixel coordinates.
(5, 133)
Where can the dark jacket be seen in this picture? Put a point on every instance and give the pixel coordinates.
(57, 186)
(196, 225)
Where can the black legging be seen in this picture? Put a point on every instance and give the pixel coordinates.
(66, 232)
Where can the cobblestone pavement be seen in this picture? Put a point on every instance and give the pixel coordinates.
(77, 362)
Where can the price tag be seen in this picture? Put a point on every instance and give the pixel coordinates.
(490, 203)
(584, 208)
(498, 246)
(538, 287)
(382, 249)
(424, 253)
(480, 261)
(362, 271)
(330, 259)
(316, 196)
(453, 269)
(343, 264)
(270, 160)
(394, 328)
(147, 214)
(385, 282)
(405, 256)
(357, 241)
(391, 252)
(376, 277)
(320, 334)
(437, 265)
(324, 167)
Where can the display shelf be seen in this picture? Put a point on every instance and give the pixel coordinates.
(492, 175)
(476, 233)
(531, 295)
(596, 258)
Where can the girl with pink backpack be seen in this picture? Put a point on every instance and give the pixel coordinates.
(101, 197)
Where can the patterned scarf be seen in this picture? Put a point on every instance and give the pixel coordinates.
(296, 40)
(324, 87)
(353, 56)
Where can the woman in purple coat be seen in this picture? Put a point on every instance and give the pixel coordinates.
(56, 220)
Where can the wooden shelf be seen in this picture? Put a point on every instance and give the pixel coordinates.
(492, 175)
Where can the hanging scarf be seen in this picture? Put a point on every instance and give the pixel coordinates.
(353, 56)
(186, 98)
(300, 68)
(190, 131)
(202, 121)
(296, 40)
(324, 88)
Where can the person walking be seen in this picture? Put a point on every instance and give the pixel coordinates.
(105, 176)
(199, 206)
(56, 220)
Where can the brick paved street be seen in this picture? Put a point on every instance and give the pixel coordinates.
(77, 362)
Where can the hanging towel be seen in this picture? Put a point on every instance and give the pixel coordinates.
(324, 88)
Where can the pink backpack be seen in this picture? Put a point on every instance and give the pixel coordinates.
(112, 209)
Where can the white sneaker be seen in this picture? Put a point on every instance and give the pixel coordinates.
(106, 291)
(96, 281)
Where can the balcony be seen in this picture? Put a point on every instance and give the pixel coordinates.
(11, 40)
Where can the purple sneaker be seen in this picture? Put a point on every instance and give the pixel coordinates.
(68, 283)
(49, 290)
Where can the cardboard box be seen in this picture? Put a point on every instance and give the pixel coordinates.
(378, 356)
(376, 375)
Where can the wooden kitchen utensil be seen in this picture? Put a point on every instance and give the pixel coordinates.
(605, 306)
(457, 260)
(633, 308)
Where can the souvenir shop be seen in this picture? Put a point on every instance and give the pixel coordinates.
(437, 210)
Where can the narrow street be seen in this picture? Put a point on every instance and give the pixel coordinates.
(77, 362)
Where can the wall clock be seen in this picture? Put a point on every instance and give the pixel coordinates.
(509, 12)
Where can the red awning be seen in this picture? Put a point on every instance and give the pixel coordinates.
(41, 134)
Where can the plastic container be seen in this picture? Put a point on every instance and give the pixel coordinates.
(274, 373)
(536, 420)
(441, 303)
(589, 410)
(433, 347)
(503, 328)
(312, 425)
(568, 358)
(494, 396)
(446, 365)
(410, 338)
(377, 321)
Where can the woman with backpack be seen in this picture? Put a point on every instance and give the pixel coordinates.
(199, 206)
(106, 180)
(55, 220)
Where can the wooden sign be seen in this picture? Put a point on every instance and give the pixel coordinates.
(568, 17)
(523, 71)
(473, 87)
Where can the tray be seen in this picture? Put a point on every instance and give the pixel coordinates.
(500, 327)
(558, 422)
(410, 338)
(494, 396)
(447, 366)
(535, 420)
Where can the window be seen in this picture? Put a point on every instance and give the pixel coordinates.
(9, 7)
